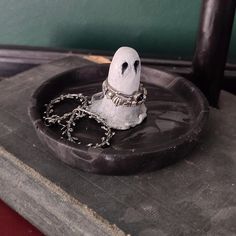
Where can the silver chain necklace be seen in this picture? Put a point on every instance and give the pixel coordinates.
(67, 121)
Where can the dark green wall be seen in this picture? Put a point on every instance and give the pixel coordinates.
(164, 27)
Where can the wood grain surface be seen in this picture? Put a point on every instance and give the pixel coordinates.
(193, 197)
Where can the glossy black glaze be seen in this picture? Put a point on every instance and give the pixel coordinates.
(214, 35)
(177, 114)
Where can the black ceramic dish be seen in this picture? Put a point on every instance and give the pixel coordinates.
(177, 115)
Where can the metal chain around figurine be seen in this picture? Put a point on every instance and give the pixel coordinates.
(120, 99)
(68, 120)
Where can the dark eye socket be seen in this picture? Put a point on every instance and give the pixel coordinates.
(136, 64)
(124, 67)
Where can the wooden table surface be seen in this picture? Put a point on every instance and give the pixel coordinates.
(196, 196)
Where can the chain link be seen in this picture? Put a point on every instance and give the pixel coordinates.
(68, 120)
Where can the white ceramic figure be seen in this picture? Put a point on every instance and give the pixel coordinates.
(121, 103)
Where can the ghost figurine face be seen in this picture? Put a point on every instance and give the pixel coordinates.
(124, 72)
(121, 104)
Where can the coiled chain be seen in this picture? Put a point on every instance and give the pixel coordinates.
(68, 120)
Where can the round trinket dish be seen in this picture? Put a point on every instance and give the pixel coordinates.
(177, 113)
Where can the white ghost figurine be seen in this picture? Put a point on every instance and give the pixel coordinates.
(121, 103)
